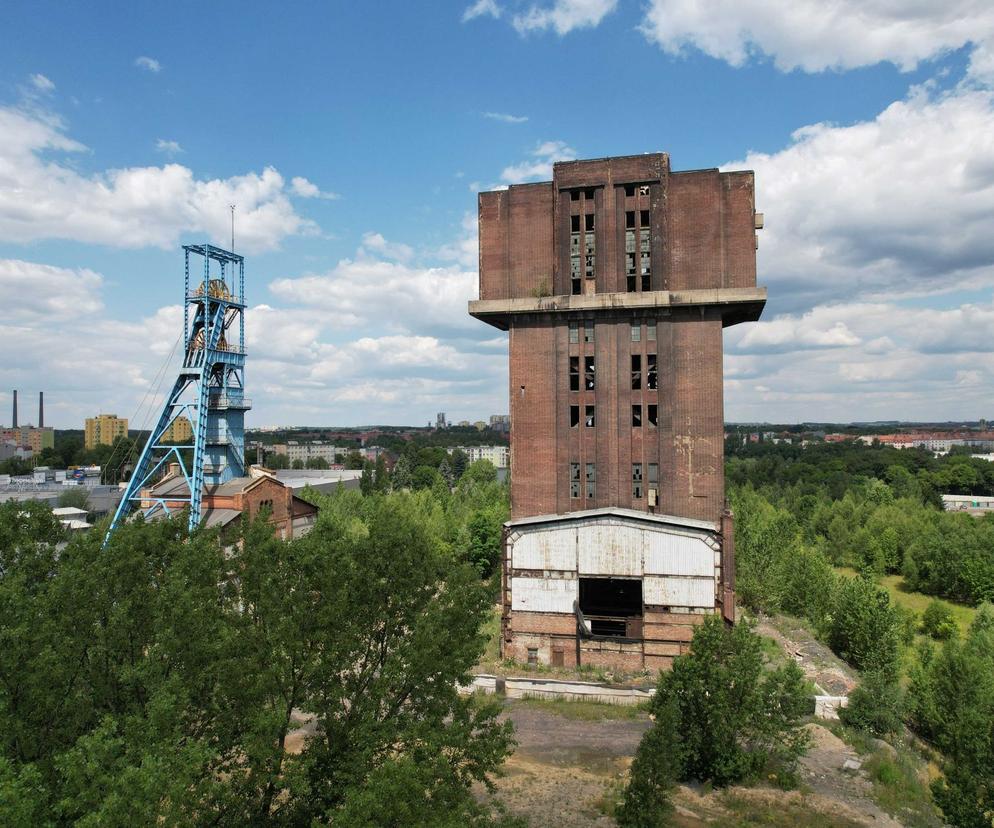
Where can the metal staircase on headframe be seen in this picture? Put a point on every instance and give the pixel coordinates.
(209, 390)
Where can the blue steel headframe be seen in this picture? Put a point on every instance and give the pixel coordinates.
(209, 390)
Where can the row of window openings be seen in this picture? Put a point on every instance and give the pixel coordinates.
(589, 415)
(589, 379)
(591, 479)
(630, 215)
(630, 190)
(588, 331)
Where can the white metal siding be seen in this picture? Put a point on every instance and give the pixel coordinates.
(678, 592)
(671, 554)
(543, 594)
(610, 549)
(548, 549)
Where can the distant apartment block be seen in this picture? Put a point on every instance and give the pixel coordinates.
(500, 456)
(103, 430)
(308, 451)
(180, 430)
(28, 437)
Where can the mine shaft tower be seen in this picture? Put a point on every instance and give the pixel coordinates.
(209, 390)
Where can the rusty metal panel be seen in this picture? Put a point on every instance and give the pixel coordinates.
(674, 554)
(543, 594)
(679, 592)
(547, 549)
(609, 548)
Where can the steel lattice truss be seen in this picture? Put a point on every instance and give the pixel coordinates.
(209, 391)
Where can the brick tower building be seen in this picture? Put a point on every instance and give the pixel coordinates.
(614, 281)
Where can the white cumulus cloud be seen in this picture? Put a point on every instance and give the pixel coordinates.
(148, 64)
(505, 118)
(538, 167)
(563, 16)
(307, 189)
(481, 8)
(44, 197)
(168, 147)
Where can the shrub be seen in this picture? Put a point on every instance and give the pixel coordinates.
(938, 621)
(875, 706)
(645, 802)
(721, 717)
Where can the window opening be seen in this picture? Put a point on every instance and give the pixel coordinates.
(574, 224)
(533, 655)
(654, 473)
(643, 218)
(588, 195)
(653, 414)
(589, 416)
(575, 273)
(574, 195)
(574, 479)
(574, 332)
(588, 373)
(591, 481)
(612, 606)
(636, 331)
(637, 481)
(651, 374)
(636, 416)
(574, 373)
(630, 219)
(588, 331)
(574, 416)
(629, 190)
(650, 331)
(636, 372)
(588, 221)
(643, 189)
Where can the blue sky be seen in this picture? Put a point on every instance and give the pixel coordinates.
(354, 138)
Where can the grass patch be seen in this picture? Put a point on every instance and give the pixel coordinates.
(491, 629)
(586, 711)
(746, 811)
(916, 601)
(899, 789)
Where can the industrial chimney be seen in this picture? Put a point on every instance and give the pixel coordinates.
(41, 409)
(14, 423)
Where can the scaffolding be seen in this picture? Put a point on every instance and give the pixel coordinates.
(209, 390)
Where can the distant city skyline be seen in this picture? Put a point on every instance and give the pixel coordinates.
(355, 190)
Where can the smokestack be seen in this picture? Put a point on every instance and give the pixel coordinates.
(41, 409)
(14, 423)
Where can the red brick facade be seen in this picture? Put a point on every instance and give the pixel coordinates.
(615, 281)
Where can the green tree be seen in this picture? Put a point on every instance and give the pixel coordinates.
(733, 715)
(75, 496)
(317, 463)
(402, 477)
(277, 461)
(864, 628)
(657, 766)
(297, 464)
(875, 706)
(459, 461)
(938, 621)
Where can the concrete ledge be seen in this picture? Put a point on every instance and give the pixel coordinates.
(739, 304)
(520, 687)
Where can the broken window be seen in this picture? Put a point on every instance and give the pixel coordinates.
(589, 416)
(588, 373)
(574, 373)
(637, 481)
(630, 271)
(591, 481)
(588, 194)
(574, 332)
(643, 189)
(636, 332)
(574, 224)
(574, 195)
(636, 372)
(643, 218)
(612, 606)
(651, 375)
(636, 416)
(646, 271)
(575, 273)
(588, 331)
(574, 416)
(653, 473)
(574, 479)
(630, 219)
(629, 190)
(653, 414)
(589, 222)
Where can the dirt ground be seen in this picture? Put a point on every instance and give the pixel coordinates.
(564, 769)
